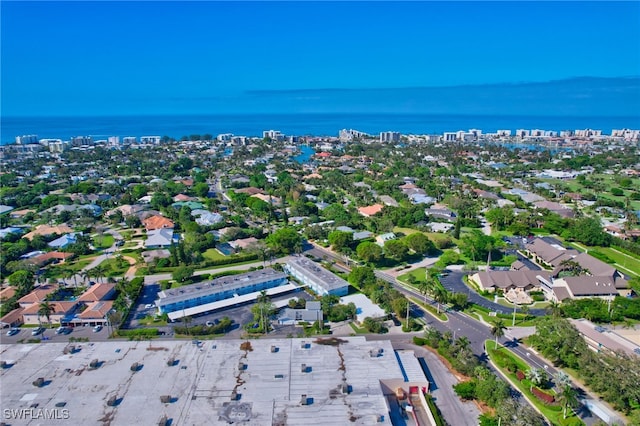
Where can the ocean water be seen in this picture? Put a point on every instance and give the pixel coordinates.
(318, 124)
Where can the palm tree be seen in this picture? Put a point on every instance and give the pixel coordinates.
(45, 309)
(568, 397)
(463, 343)
(536, 376)
(427, 286)
(554, 309)
(562, 379)
(187, 320)
(440, 295)
(498, 329)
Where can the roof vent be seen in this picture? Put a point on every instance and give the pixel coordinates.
(274, 349)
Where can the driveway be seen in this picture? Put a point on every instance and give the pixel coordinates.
(453, 282)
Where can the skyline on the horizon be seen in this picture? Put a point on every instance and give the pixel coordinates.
(134, 58)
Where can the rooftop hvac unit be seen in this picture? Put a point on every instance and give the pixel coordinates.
(242, 366)
(374, 353)
(274, 349)
(304, 400)
(304, 368)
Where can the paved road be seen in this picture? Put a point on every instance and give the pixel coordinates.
(477, 333)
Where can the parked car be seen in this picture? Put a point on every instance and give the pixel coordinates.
(13, 332)
(209, 323)
(37, 331)
(63, 330)
(97, 328)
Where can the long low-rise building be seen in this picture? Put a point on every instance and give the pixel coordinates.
(525, 280)
(190, 296)
(317, 278)
(320, 381)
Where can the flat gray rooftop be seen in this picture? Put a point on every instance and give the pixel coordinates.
(218, 285)
(316, 273)
(266, 376)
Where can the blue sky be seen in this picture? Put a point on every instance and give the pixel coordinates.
(167, 57)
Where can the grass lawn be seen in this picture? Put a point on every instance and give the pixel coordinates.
(103, 241)
(405, 231)
(419, 274)
(553, 413)
(152, 321)
(433, 310)
(58, 271)
(357, 329)
(213, 254)
(115, 267)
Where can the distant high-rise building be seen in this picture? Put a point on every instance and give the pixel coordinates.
(389, 137)
(114, 140)
(224, 137)
(627, 134)
(77, 141)
(587, 133)
(54, 145)
(349, 135)
(476, 133)
(521, 133)
(129, 140)
(503, 133)
(274, 135)
(152, 140)
(26, 139)
(450, 136)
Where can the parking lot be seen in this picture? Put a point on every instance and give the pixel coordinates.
(49, 334)
(241, 315)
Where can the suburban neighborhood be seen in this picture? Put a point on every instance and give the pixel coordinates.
(512, 261)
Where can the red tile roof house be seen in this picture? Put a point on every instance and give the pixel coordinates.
(7, 293)
(370, 210)
(98, 292)
(157, 222)
(13, 318)
(30, 314)
(95, 314)
(37, 295)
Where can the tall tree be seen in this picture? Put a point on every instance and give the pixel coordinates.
(498, 329)
(45, 309)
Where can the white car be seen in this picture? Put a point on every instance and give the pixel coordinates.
(149, 306)
(13, 332)
(37, 331)
(97, 328)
